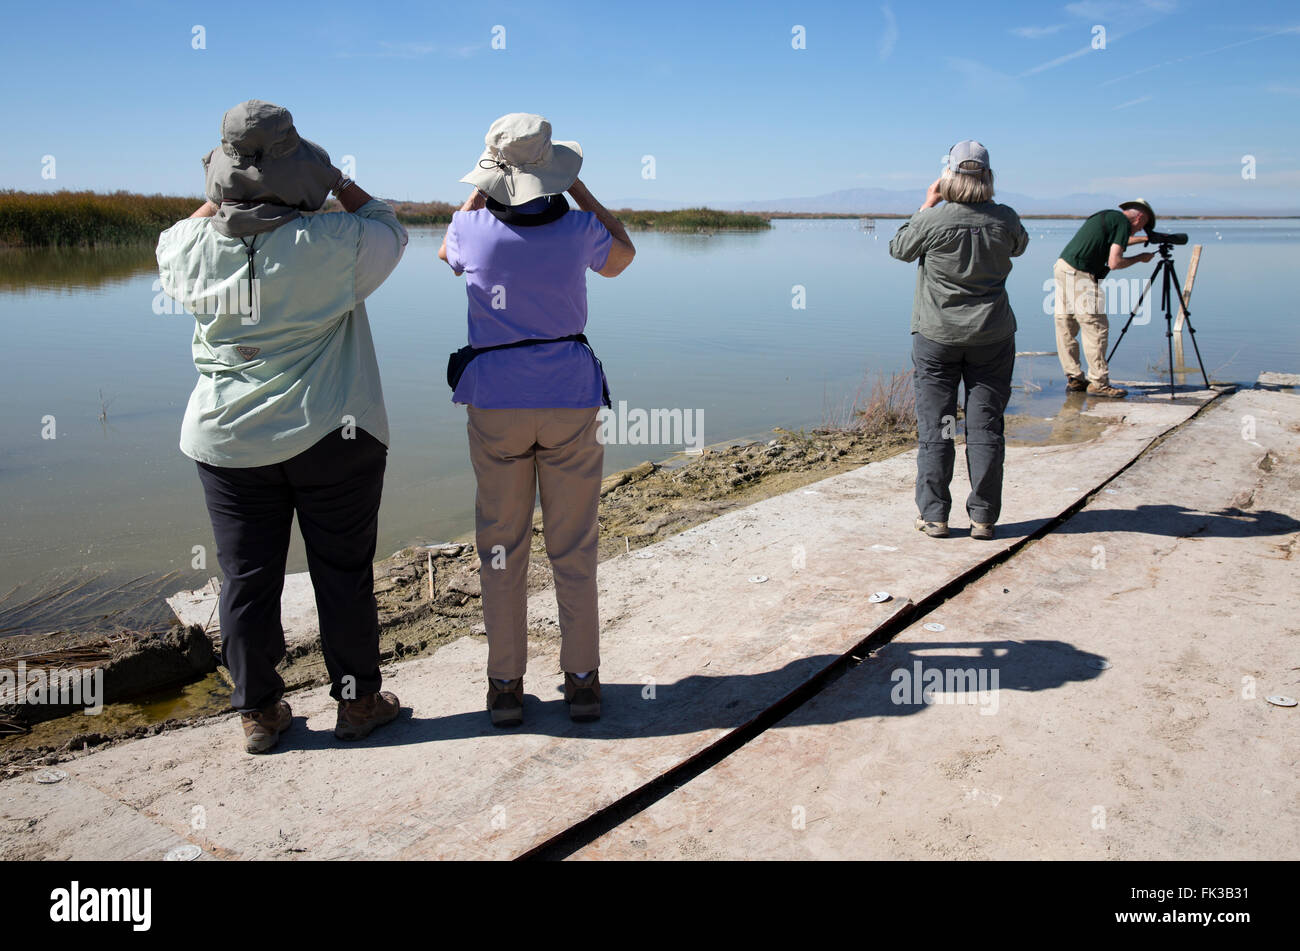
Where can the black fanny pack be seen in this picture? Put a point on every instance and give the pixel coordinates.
(459, 361)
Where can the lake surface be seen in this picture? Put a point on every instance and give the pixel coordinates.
(102, 519)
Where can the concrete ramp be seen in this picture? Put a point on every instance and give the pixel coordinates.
(702, 633)
(1103, 693)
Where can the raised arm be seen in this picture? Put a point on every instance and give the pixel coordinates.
(908, 242)
(383, 240)
(621, 250)
(475, 201)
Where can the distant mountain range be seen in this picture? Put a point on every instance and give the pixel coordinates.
(881, 201)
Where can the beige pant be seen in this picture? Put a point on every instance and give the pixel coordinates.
(1081, 311)
(514, 452)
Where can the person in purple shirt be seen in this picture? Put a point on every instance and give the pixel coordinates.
(533, 388)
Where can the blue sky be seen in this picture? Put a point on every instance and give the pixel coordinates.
(1180, 94)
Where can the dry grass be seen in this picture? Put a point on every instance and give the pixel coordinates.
(423, 212)
(81, 219)
(64, 218)
(879, 406)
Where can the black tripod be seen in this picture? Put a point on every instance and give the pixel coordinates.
(1166, 264)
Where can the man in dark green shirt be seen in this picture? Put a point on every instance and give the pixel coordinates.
(1094, 251)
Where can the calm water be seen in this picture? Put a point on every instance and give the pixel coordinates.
(100, 520)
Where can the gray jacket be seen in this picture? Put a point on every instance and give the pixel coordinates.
(965, 253)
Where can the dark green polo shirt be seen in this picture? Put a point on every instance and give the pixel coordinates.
(1089, 249)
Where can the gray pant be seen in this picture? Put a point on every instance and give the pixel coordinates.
(986, 372)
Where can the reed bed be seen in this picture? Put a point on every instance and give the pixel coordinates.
(692, 219)
(71, 219)
(423, 212)
(89, 219)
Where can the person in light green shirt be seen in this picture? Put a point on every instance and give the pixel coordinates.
(275, 380)
(287, 416)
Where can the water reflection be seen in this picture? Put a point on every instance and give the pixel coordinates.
(25, 270)
(707, 322)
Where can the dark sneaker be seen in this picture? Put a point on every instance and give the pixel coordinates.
(1075, 384)
(933, 529)
(505, 704)
(359, 718)
(582, 694)
(981, 530)
(262, 729)
(1107, 391)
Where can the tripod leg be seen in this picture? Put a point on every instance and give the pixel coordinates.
(1187, 322)
(1169, 336)
(1169, 329)
(1136, 308)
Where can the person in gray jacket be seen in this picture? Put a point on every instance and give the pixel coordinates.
(963, 331)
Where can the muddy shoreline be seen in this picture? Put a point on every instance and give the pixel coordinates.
(427, 596)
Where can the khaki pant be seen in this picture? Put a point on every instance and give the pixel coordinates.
(1081, 311)
(514, 452)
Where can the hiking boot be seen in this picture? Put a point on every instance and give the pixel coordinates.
(1106, 390)
(981, 530)
(582, 694)
(505, 701)
(1075, 384)
(933, 529)
(262, 728)
(358, 718)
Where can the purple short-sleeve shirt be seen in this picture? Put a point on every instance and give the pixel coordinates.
(522, 282)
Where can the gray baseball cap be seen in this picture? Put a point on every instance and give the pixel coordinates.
(968, 157)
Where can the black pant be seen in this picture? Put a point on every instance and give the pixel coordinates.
(986, 371)
(334, 487)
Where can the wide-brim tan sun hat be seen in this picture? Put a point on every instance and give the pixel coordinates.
(521, 162)
(1141, 205)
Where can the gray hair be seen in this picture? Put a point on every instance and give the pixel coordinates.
(966, 189)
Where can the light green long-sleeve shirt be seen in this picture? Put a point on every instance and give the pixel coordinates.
(965, 253)
(284, 367)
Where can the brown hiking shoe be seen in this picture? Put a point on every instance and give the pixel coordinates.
(1075, 384)
(1106, 390)
(358, 718)
(981, 530)
(262, 728)
(505, 701)
(933, 529)
(582, 694)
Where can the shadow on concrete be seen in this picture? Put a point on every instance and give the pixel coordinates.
(897, 685)
(701, 702)
(1173, 521)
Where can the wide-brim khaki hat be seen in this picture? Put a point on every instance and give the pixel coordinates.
(1141, 205)
(521, 162)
